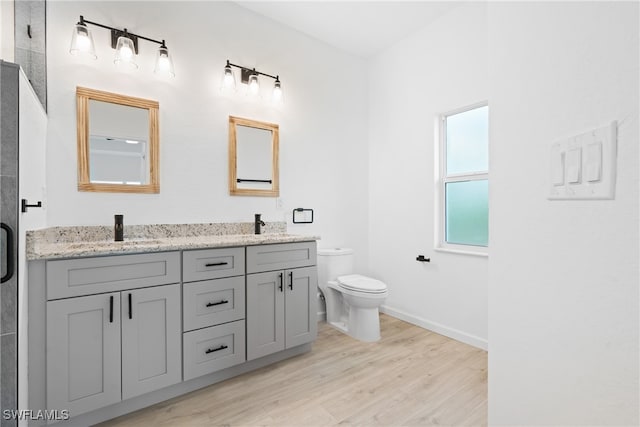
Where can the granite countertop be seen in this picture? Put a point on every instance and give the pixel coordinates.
(70, 242)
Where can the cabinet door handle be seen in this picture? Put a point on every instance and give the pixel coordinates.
(281, 279)
(291, 280)
(215, 264)
(211, 304)
(111, 309)
(130, 308)
(211, 350)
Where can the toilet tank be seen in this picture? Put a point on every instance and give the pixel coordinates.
(333, 263)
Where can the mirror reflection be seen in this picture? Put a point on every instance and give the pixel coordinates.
(118, 143)
(118, 150)
(253, 157)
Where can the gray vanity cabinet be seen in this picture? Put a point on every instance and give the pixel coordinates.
(301, 314)
(151, 339)
(109, 334)
(105, 348)
(281, 304)
(83, 352)
(265, 313)
(120, 337)
(213, 309)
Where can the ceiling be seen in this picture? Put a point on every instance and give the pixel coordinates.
(361, 28)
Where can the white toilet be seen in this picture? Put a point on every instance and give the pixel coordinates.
(351, 300)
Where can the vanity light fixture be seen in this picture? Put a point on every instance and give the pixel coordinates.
(82, 41)
(228, 79)
(125, 44)
(164, 64)
(254, 84)
(276, 96)
(125, 52)
(249, 76)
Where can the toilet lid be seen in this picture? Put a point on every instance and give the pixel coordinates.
(358, 283)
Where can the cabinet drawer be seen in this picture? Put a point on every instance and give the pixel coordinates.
(212, 264)
(212, 349)
(280, 256)
(85, 276)
(212, 302)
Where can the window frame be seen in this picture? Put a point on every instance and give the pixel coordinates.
(443, 179)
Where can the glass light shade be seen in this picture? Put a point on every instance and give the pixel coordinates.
(228, 79)
(254, 85)
(164, 64)
(277, 96)
(125, 53)
(82, 42)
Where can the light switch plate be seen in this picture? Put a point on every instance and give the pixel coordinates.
(584, 166)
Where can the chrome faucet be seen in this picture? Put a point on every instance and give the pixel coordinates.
(258, 222)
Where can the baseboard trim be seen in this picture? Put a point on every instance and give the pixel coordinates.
(437, 327)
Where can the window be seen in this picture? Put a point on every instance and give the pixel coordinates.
(464, 179)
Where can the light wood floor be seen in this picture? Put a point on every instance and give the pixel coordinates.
(410, 377)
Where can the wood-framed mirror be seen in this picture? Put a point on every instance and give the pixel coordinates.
(253, 158)
(118, 143)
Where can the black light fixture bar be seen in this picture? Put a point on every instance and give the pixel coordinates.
(246, 72)
(115, 33)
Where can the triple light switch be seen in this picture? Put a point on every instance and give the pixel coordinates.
(584, 166)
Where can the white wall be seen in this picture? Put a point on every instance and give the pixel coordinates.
(563, 275)
(32, 169)
(323, 127)
(440, 68)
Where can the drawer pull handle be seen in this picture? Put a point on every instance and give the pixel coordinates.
(211, 350)
(215, 264)
(211, 304)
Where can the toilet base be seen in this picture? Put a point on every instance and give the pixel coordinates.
(354, 315)
(364, 324)
(341, 326)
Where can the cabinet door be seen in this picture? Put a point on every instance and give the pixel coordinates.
(83, 353)
(265, 313)
(151, 339)
(300, 306)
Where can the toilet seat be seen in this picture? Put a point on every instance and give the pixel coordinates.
(361, 284)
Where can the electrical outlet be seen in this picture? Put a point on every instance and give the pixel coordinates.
(279, 203)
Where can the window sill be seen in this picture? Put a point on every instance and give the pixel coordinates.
(462, 252)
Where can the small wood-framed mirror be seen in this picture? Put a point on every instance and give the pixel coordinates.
(118, 143)
(253, 158)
